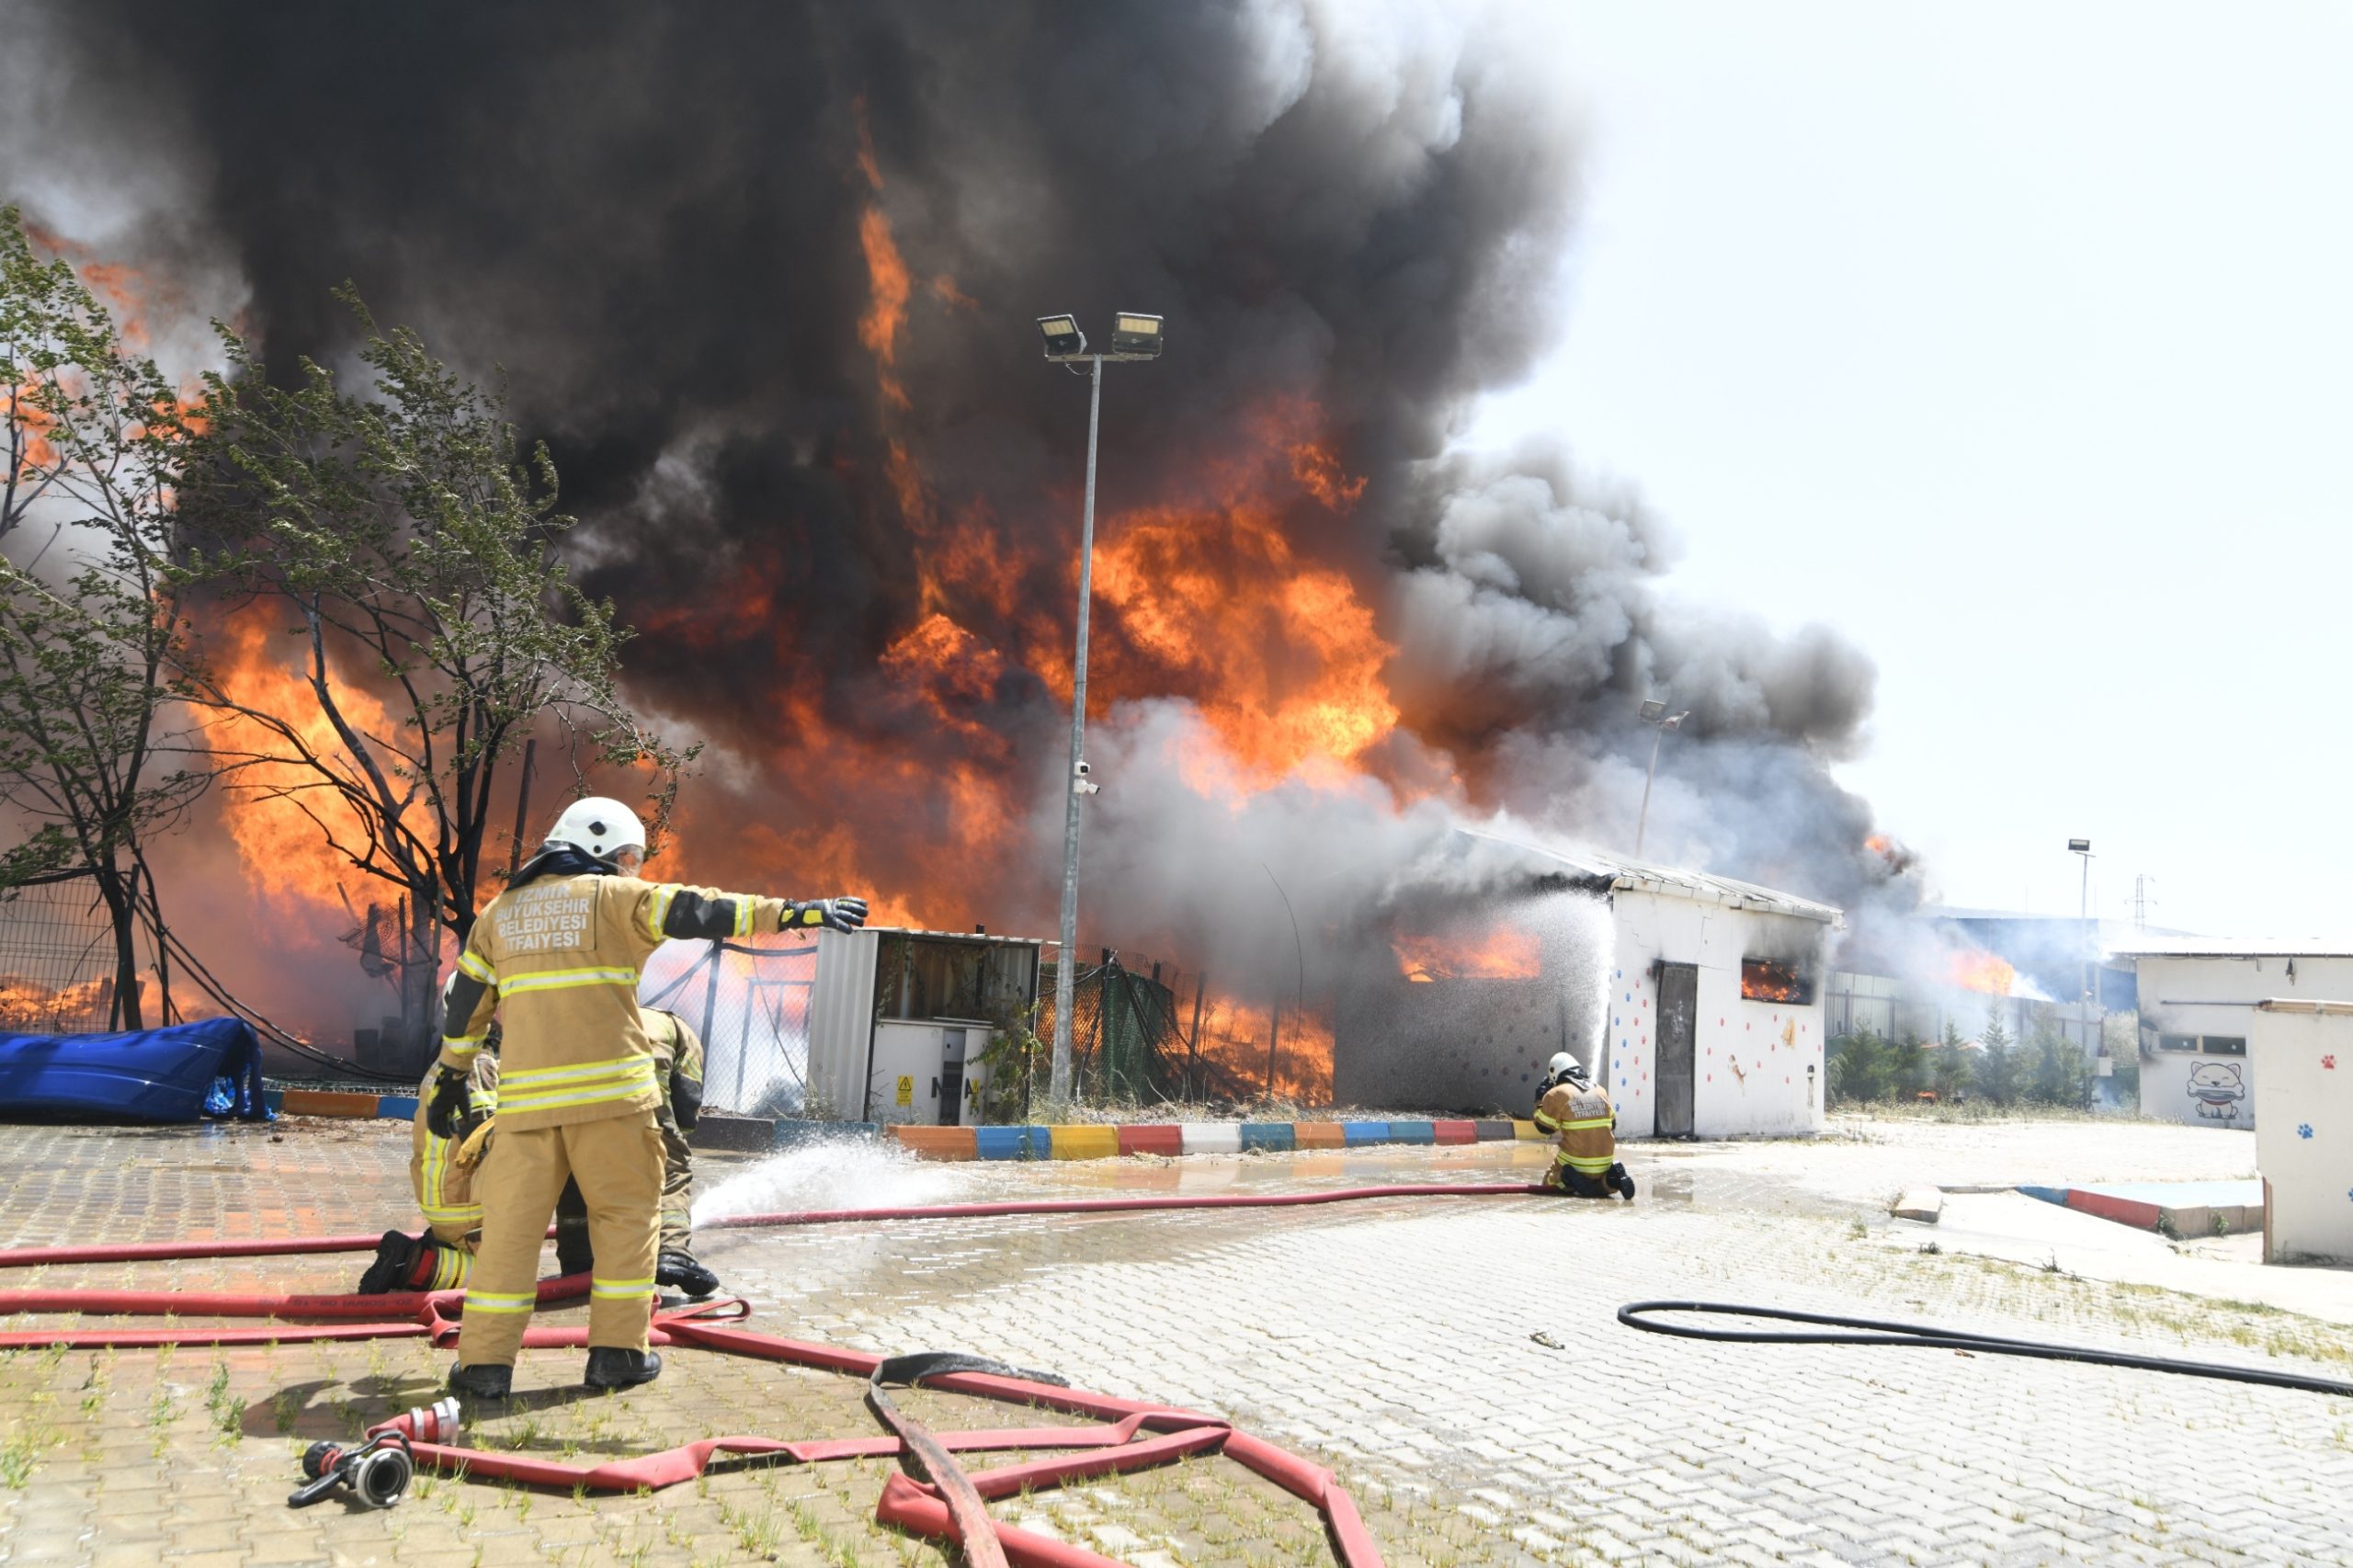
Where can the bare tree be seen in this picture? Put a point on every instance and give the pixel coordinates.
(407, 539)
(93, 649)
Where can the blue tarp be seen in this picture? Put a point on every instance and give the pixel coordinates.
(211, 1067)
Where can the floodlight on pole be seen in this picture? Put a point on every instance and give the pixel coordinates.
(1136, 336)
(1654, 713)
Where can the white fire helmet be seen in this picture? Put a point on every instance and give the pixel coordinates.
(1565, 1066)
(598, 826)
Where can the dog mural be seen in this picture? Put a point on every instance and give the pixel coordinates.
(2217, 1087)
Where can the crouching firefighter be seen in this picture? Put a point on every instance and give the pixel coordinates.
(441, 1170)
(558, 955)
(1576, 1109)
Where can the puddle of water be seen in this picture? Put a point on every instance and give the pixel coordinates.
(845, 1172)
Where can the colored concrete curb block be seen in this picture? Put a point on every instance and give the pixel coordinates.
(1085, 1143)
(1317, 1135)
(1455, 1131)
(1274, 1135)
(2191, 1208)
(942, 1142)
(1528, 1132)
(1359, 1133)
(1495, 1131)
(1151, 1140)
(1213, 1138)
(1413, 1132)
(1013, 1142)
(331, 1102)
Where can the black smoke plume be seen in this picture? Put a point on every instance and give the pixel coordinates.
(659, 223)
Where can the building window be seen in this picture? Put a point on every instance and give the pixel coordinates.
(2225, 1045)
(2177, 1042)
(1763, 979)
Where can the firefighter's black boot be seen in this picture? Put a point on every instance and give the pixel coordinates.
(612, 1367)
(680, 1271)
(394, 1267)
(1622, 1182)
(488, 1380)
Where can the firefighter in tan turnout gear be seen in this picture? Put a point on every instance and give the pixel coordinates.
(443, 1179)
(557, 955)
(1572, 1106)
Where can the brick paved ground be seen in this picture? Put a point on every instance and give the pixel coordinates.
(1391, 1340)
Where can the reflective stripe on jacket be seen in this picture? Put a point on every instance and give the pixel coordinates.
(558, 959)
(445, 1189)
(1586, 1123)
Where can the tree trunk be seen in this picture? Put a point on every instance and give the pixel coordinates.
(123, 910)
(420, 976)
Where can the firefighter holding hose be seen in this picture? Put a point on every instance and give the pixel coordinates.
(557, 955)
(443, 1178)
(1572, 1106)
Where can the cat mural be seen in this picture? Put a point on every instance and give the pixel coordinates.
(2217, 1087)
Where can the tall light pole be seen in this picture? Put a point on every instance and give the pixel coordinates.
(1654, 713)
(1134, 337)
(2083, 847)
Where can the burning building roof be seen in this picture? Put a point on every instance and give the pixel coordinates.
(1603, 873)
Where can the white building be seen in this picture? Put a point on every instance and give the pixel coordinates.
(1705, 1018)
(2304, 1148)
(2198, 997)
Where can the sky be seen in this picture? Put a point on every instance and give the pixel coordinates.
(2015, 342)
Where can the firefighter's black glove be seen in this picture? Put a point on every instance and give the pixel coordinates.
(676, 1271)
(832, 914)
(450, 1112)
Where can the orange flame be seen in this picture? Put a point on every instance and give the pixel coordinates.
(1238, 1036)
(1280, 655)
(276, 813)
(1503, 952)
(1977, 969)
(29, 1001)
(879, 327)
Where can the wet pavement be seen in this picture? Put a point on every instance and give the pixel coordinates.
(1396, 1340)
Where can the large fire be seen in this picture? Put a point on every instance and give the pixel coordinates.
(1212, 593)
(1244, 1041)
(277, 812)
(1503, 952)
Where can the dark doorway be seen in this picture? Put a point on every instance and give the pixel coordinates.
(1678, 1020)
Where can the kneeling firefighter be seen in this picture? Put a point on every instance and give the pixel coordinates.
(558, 955)
(441, 1171)
(1574, 1107)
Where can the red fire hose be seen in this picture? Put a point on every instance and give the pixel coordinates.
(945, 1508)
(175, 1252)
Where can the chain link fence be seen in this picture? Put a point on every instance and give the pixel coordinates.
(56, 957)
(748, 999)
(1135, 1034)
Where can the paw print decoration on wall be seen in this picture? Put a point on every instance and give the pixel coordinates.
(2305, 1130)
(2328, 1063)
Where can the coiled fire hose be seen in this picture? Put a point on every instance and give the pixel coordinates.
(1878, 1330)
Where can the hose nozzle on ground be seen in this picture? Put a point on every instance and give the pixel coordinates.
(378, 1473)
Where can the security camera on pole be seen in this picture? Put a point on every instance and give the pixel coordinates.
(1134, 338)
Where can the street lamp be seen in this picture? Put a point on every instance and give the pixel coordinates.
(1135, 337)
(1654, 713)
(2083, 847)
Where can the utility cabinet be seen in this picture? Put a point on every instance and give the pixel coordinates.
(901, 1019)
(928, 1072)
